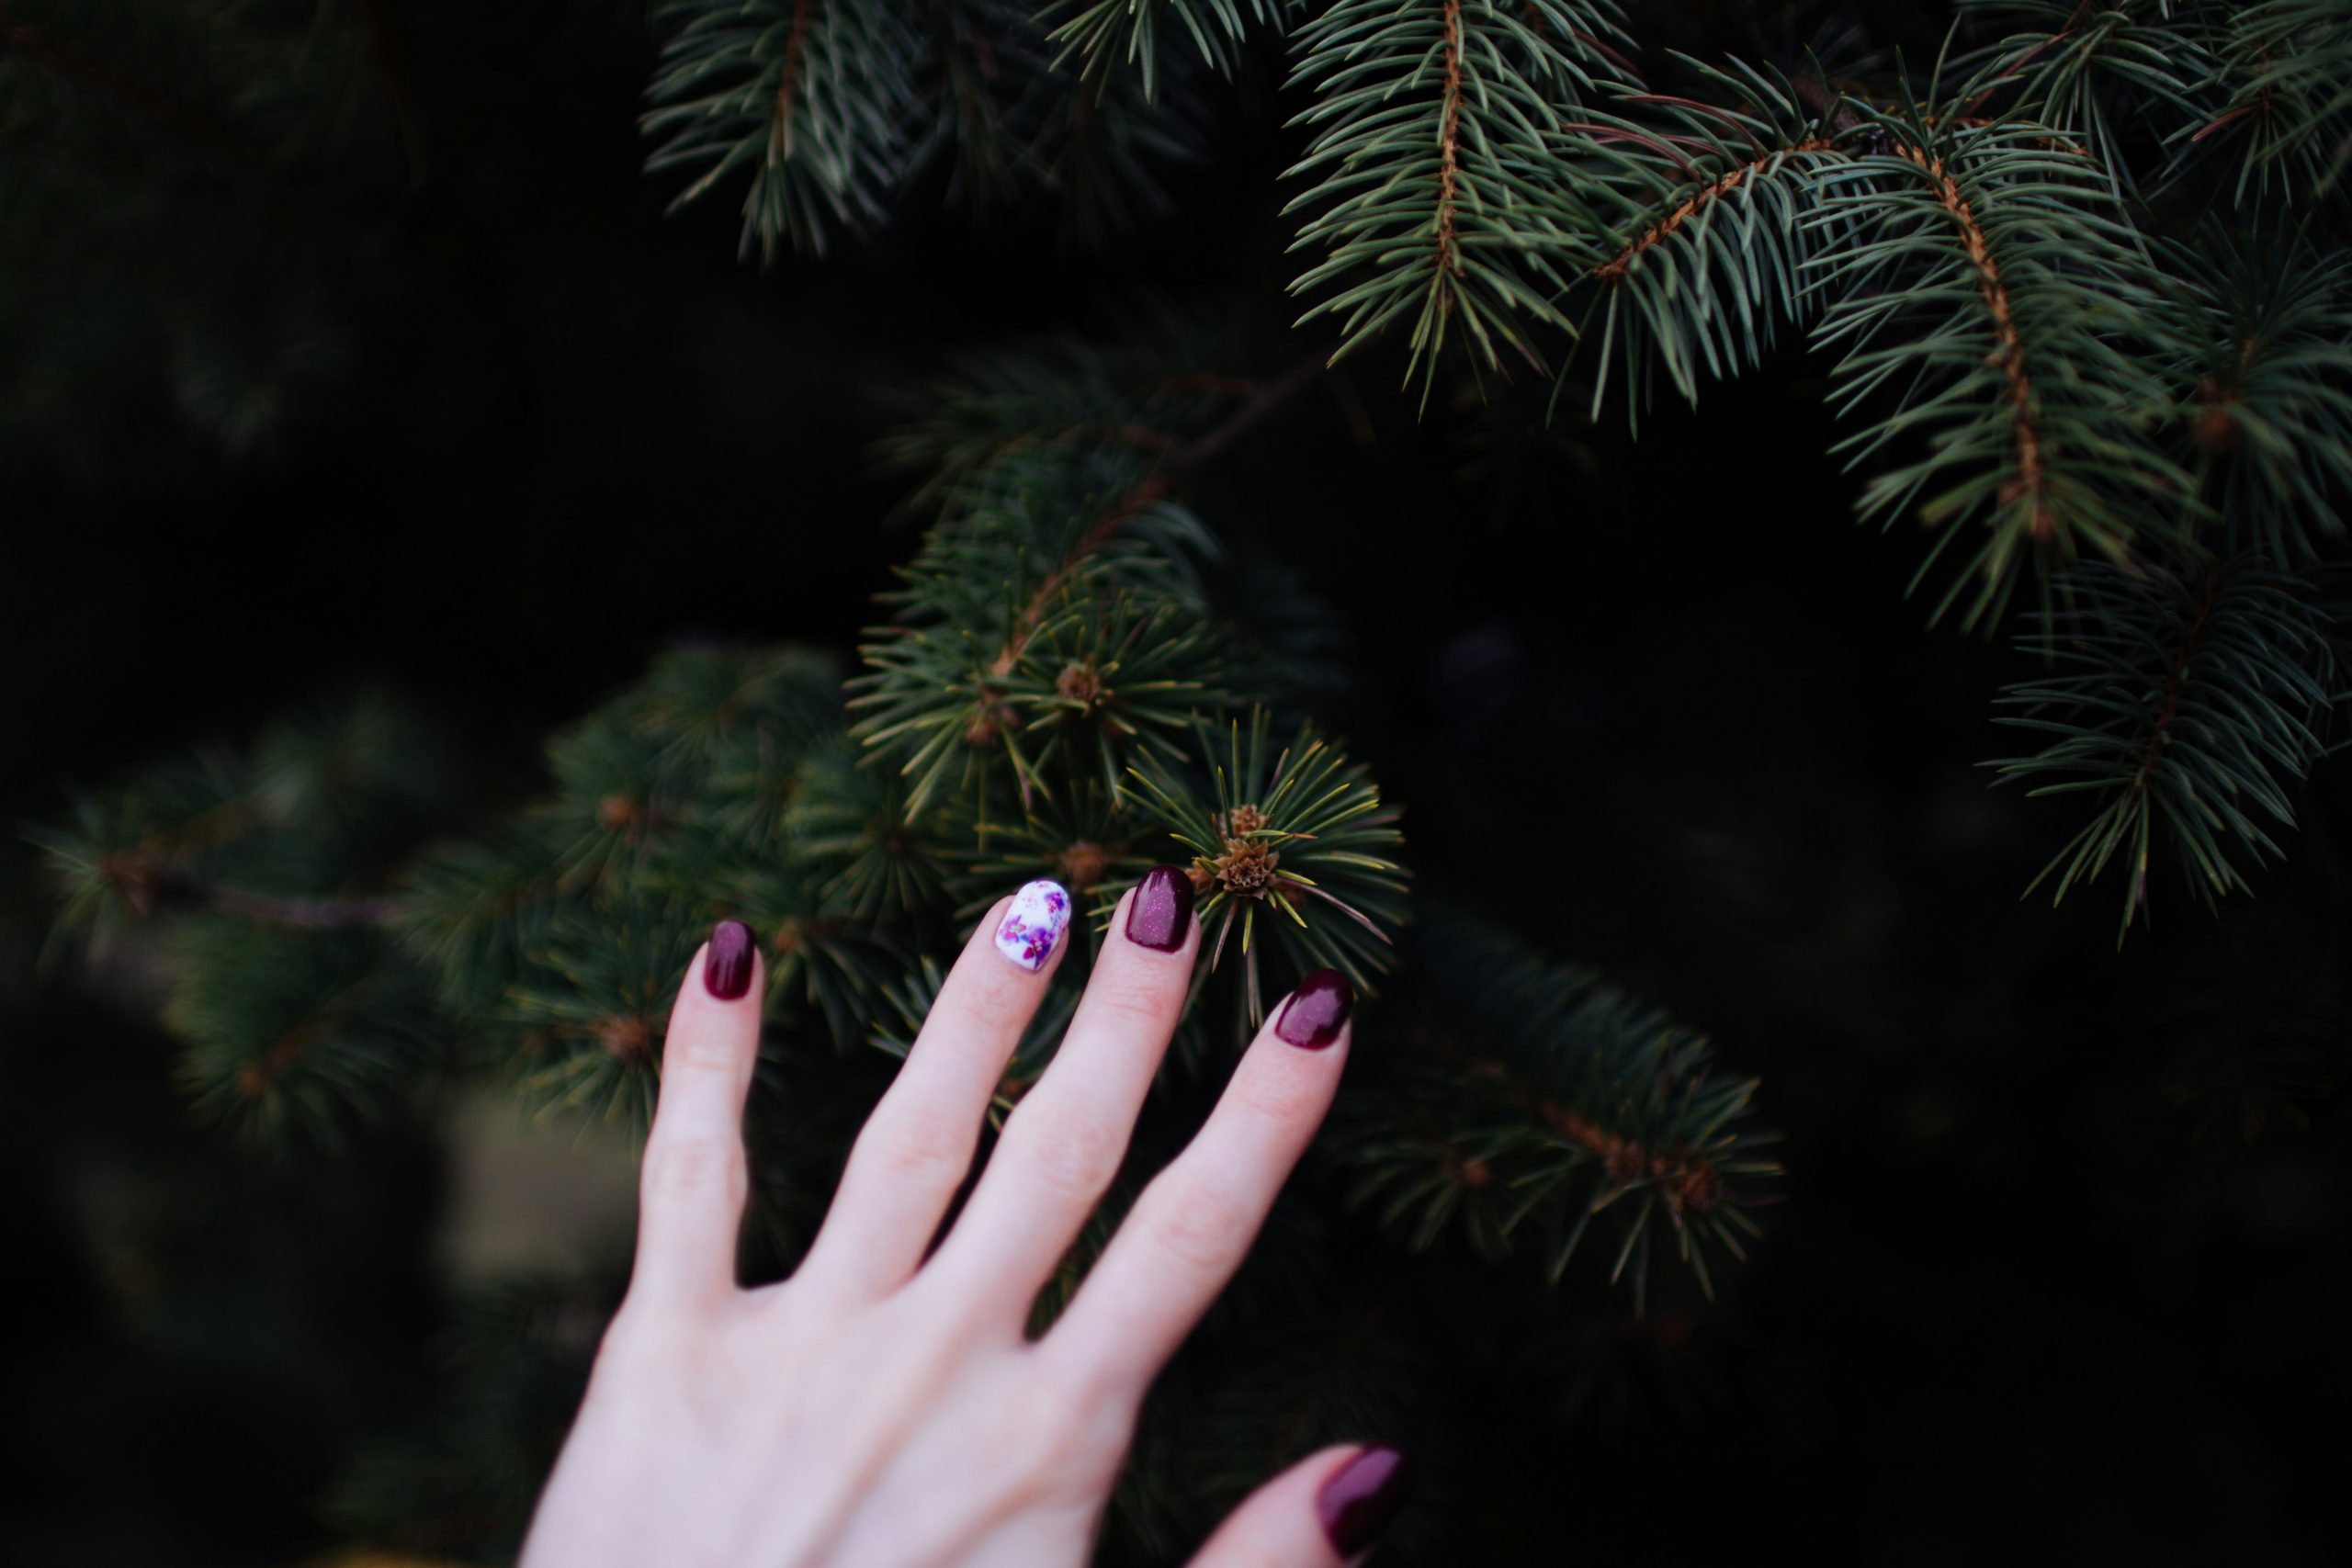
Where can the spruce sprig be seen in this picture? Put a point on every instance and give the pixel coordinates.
(1996, 308)
(1011, 619)
(1697, 225)
(1539, 1102)
(2187, 705)
(2263, 380)
(1290, 849)
(811, 96)
(1434, 178)
(2095, 74)
(1102, 35)
(2282, 96)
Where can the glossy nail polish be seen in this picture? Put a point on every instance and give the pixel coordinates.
(727, 968)
(1161, 914)
(1361, 1497)
(1317, 1011)
(1032, 928)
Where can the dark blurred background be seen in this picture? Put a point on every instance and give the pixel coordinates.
(2056, 1274)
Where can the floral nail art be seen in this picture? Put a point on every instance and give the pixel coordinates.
(1039, 915)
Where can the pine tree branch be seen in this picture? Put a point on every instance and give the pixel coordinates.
(1700, 227)
(2011, 69)
(1262, 401)
(1175, 461)
(1101, 33)
(1446, 266)
(2008, 351)
(1616, 266)
(147, 882)
(795, 59)
(812, 98)
(2193, 641)
(1689, 1179)
(2187, 705)
(1436, 177)
(1032, 614)
(2024, 387)
(310, 913)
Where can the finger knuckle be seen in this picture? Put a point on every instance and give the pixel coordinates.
(919, 1142)
(1205, 1229)
(691, 1168)
(1126, 1008)
(1073, 1154)
(1282, 1101)
(996, 998)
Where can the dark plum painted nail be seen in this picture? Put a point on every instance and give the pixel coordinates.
(1160, 915)
(1312, 1018)
(1361, 1497)
(727, 969)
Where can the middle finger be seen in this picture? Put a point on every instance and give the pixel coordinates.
(1064, 1142)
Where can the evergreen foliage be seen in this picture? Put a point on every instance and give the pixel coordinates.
(2082, 270)
(2081, 273)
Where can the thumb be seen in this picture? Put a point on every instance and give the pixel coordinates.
(1323, 1512)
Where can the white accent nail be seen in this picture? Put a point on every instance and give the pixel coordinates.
(1032, 928)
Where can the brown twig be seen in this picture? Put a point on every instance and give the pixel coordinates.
(2072, 21)
(1688, 1178)
(796, 52)
(1268, 397)
(1175, 462)
(1449, 161)
(146, 878)
(1616, 266)
(2191, 638)
(2009, 349)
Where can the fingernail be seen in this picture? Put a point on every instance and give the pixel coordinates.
(726, 967)
(1161, 914)
(1312, 1018)
(1361, 1497)
(1033, 926)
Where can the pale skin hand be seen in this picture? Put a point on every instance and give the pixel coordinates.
(883, 1407)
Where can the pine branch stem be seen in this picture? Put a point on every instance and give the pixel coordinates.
(1449, 261)
(1175, 460)
(309, 914)
(2191, 637)
(2074, 20)
(2009, 349)
(787, 80)
(1715, 190)
(1688, 1178)
(1262, 401)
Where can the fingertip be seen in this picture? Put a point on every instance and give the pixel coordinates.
(1329, 1509)
(1156, 912)
(729, 961)
(1355, 1500)
(1315, 1016)
(1032, 925)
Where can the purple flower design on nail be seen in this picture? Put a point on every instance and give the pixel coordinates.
(1039, 915)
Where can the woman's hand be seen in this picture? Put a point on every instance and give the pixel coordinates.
(883, 1408)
